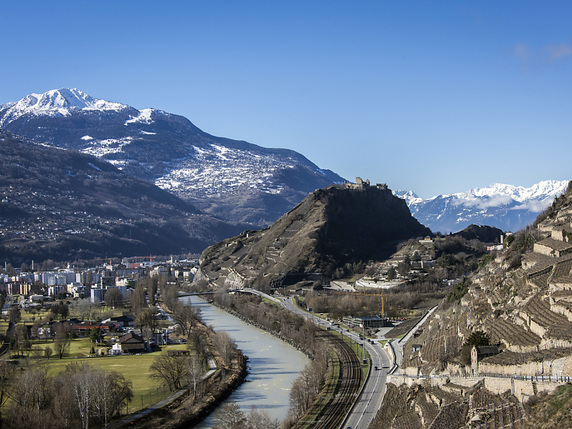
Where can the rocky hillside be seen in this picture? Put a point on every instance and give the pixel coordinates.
(235, 180)
(450, 406)
(521, 300)
(328, 228)
(501, 343)
(63, 205)
(486, 234)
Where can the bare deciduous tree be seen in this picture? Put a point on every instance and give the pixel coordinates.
(113, 298)
(306, 388)
(138, 299)
(83, 308)
(30, 389)
(225, 346)
(229, 416)
(97, 395)
(195, 370)
(186, 316)
(147, 320)
(62, 339)
(261, 420)
(169, 370)
(152, 287)
(6, 376)
(169, 293)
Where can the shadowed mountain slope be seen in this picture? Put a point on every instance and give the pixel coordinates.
(64, 205)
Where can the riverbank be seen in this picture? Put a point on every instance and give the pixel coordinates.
(274, 364)
(185, 411)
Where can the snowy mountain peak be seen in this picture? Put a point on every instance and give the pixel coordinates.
(56, 102)
(236, 180)
(546, 188)
(504, 206)
(410, 197)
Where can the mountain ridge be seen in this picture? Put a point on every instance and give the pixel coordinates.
(507, 207)
(220, 175)
(233, 179)
(59, 101)
(64, 205)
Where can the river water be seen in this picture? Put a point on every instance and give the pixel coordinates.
(273, 364)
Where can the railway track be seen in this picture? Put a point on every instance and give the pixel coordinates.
(347, 387)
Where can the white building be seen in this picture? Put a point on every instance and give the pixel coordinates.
(97, 295)
(55, 290)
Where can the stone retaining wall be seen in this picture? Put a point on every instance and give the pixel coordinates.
(522, 389)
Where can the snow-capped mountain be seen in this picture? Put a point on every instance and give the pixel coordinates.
(507, 207)
(59, 102)
(235, 180)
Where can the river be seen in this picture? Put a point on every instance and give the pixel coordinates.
(273, 364)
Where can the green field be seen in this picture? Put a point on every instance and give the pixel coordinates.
(134, 368)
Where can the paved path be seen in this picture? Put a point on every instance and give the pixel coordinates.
(397, 345)
(159, 405)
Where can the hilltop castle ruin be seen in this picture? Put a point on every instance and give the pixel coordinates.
(362, 185)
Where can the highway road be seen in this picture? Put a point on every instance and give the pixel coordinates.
(369, 401)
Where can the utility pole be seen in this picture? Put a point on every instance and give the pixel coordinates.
(363, 341)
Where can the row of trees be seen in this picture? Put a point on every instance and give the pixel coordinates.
(230, 416)
(397, 301)
(307, 386)
(176, 371)
(179, 368)
(20, 342)
(78, 397)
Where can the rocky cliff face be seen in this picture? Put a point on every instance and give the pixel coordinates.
(327, 229)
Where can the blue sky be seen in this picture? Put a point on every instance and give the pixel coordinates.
(434, 97)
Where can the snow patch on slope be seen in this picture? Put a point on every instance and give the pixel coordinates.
(217, 171)
(144, 117)
(101, 148)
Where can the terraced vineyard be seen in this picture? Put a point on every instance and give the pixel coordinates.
(502, 330)
(495, 411)
(557, 325)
